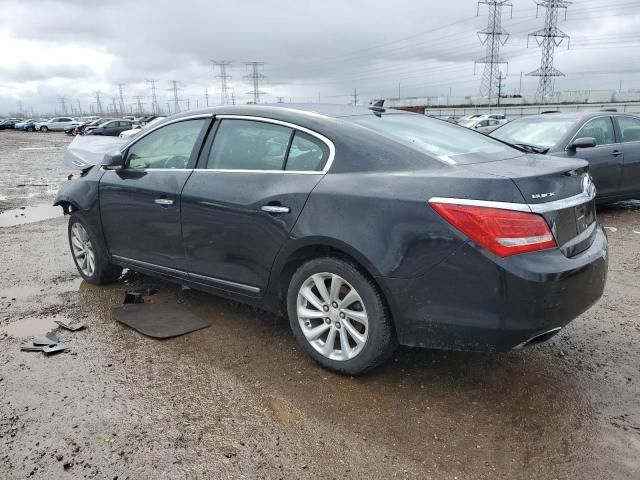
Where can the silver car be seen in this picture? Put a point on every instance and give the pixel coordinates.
(57, 124)
(482, 124)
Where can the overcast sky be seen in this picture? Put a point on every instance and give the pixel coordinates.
(54, 48)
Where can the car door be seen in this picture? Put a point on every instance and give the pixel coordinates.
(140, 204)
(240, 204)
(605, 159)
(629, 128)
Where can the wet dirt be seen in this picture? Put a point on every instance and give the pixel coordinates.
(241, 400)
(30, 214)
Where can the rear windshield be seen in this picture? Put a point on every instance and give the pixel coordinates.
(450, 143)
(541, 132)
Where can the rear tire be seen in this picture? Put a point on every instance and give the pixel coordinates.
(31, 129)
(346, 327)
(89, 254)
(44, 129)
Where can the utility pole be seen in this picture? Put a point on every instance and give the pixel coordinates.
(355, 97)
(176, 102)
(398, 90)
(500, 86)
(121, 93)
(79, 108)
(20, 107)
(138, 99)
(233, 98)
(548, 38)
(280, 99)
(168, 108)
(113, 105)
(206, 96)
(188, 104)
(155, 106)
(224, 77)
(63, 105)
(493, 37)
(255, 78)
(98, 94)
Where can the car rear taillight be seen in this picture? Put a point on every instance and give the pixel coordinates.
(502, 232)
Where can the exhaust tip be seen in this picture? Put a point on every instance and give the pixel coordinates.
(539, 338)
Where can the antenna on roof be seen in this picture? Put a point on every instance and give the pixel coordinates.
(377, 108)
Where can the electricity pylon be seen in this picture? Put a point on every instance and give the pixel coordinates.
(224, 77)
(493, 37)
(255, 76)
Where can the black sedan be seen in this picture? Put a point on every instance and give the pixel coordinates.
(367, 228)
(609, 141)
(9, 123)
(113, 128)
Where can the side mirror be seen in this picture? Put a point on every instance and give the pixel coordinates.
(113, 161)
(583, 142)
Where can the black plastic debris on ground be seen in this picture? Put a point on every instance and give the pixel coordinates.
(158, 320)
(71, 327)
(137, 296)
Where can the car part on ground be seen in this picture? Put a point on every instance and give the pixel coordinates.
(158, 320)
(437, 236)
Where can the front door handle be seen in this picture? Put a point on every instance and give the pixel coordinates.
(275, 209)
(616, 153)
(165, 202)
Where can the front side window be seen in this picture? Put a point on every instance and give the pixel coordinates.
(168, 147)
(307, 153)
(629, 129)
(599, 128)
(249, 145)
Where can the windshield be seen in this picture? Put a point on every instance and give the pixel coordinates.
(448, 142)
(542, 132)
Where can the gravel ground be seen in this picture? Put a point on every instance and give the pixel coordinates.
(240, 400)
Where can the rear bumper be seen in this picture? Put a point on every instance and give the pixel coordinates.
(475, 301)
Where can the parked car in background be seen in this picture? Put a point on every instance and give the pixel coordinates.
(9, 123)
(113, 128)
(481, 124)
(20, 125)
(609, 141)
(89, 127)
(497, 116)
(56, 124)
(138, 128)
(366, 228)
(453, 119)
(29, 125)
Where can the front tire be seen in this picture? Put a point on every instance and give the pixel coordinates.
(89, 254)
(339, 317)
(44, 129)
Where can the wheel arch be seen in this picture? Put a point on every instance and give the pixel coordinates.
(297, 254)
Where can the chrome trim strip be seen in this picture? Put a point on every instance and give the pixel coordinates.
(185, 275)
(239, 170)
(228, 283)
(151, 266)
(520, 207)
(325, 140)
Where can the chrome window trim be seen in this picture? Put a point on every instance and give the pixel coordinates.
(540, 208)
(610, 117)
(322, 138)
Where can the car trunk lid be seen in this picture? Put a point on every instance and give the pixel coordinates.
(561, 190)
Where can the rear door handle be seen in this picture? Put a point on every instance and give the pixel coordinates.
(275, 209)
(165, 202)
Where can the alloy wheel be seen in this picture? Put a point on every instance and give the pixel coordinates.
(332, 316)
(82, 249)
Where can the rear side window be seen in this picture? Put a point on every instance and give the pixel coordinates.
(249, 145)
(307, 153)
(166, 147)
(599, 128)
(629, 129)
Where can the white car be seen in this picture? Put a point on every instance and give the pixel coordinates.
(135, 130)
(483, 124)
(57, 124)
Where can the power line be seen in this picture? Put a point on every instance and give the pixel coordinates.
(224, 77)
(255, 78)
(548, 38)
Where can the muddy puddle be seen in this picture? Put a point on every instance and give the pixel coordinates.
(31, 214)
(28, 327)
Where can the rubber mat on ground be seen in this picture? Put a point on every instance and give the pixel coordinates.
(158, 320)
